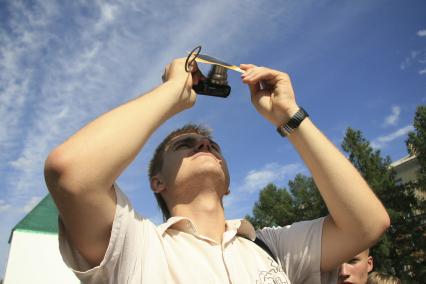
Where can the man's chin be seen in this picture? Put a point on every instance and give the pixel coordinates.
(209, 165)
(203, 172)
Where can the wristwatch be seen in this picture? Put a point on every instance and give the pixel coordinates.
(294, 122)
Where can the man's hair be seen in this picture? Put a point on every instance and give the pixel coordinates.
(156, 163)
(382, 278)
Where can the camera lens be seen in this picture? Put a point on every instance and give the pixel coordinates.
(218, 75)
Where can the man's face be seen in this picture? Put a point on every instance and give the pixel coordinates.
(190, 158)
(356, 270)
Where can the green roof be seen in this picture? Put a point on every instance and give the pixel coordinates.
(42, 219)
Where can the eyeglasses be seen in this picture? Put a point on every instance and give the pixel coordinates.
(190, 142)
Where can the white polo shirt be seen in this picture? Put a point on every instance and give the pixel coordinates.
(141, 252)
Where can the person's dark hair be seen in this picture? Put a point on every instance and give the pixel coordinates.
(156, 162)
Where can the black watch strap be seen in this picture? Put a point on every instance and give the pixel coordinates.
(293, 123)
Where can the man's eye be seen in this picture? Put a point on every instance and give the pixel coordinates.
(353, 261)
(216, 148)
(182, 146)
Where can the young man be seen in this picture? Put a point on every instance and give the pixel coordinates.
(105, 241)
(355, 271)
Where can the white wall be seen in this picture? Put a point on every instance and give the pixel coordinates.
(35, 258)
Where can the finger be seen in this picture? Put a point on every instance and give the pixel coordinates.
(248, 74)
(197, 77)
(254, 86)
(248, 71)
(192, 64)
(252, 69)
(246, 67)
(261, 74)
(193, 67)
(258, 77)
(178, 62)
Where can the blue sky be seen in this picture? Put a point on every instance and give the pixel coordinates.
(62, 63)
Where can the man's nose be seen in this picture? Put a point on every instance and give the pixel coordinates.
(203, 145)
(344, 269)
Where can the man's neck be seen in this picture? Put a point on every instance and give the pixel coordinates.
(207, 214)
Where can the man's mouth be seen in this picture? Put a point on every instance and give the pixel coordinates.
(204, 154)
(343, 281)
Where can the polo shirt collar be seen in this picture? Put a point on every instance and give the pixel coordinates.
(239, 227)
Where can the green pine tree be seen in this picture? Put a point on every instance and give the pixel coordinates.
(307, 201)
(281, 207)
(274, 208)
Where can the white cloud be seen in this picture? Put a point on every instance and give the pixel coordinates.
(422, 72)
(255, 180)
(382, 141)
(392, 119)
(108, 14)
(416, 58)
(25, 208)
(20, 51)
(421, 33)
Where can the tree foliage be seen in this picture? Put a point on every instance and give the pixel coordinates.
(273, 208)
(282, 206)
(307, 201)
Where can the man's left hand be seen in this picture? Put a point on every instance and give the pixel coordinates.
(271, 93)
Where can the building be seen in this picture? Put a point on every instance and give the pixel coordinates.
(34, 255)
(406, 169)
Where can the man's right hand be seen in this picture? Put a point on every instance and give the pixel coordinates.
(176, 76)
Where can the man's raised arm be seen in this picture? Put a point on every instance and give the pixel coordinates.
(357, 218)
(80, 173)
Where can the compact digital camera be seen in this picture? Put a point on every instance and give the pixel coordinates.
(216, 82)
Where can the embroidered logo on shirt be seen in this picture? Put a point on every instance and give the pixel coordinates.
(274, 276)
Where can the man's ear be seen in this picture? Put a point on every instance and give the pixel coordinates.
(227, 192)
(157, 184)
(370, 263)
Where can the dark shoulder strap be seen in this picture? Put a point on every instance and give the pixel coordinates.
(262, 244)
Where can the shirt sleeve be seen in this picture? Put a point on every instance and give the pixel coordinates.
(102, 272)
(298, 248)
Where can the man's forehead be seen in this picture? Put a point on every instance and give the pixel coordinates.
(363, 254)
